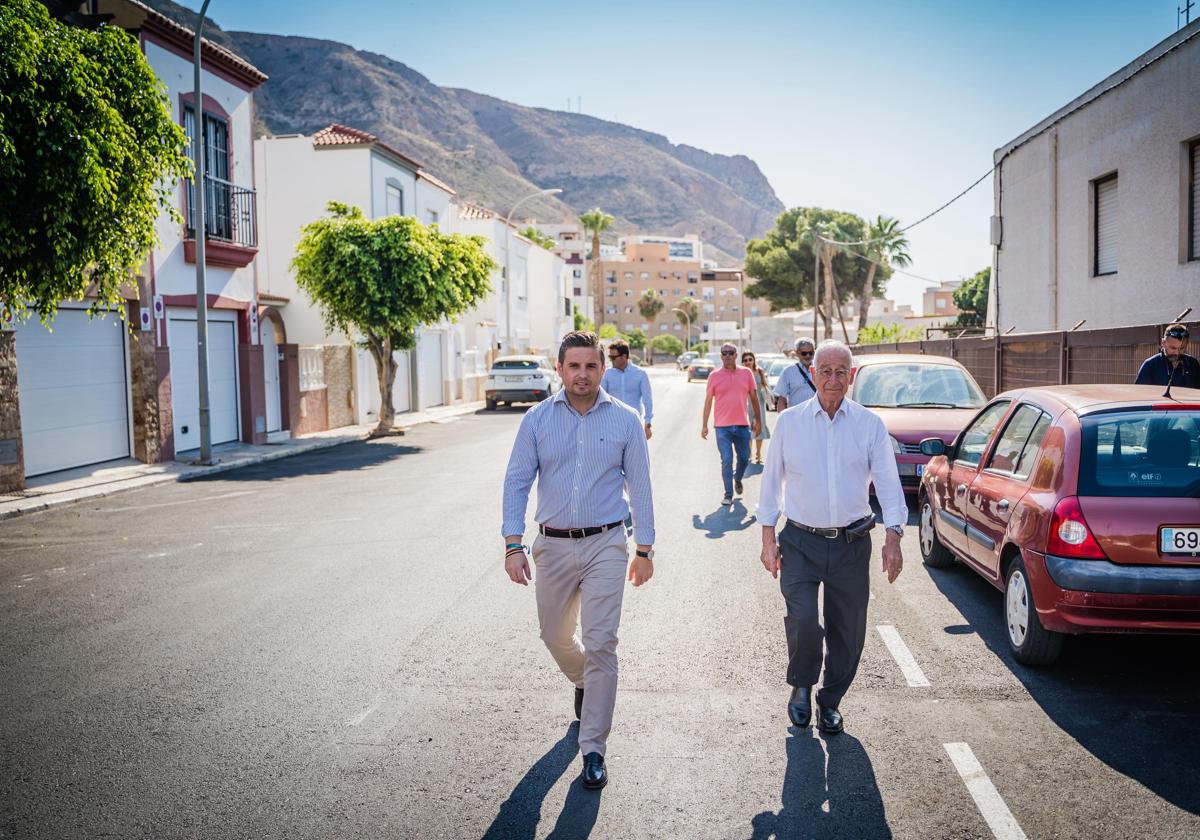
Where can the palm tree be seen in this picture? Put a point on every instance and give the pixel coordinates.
(650, 304)
(596, 222)
(889, 246)
(688, 313)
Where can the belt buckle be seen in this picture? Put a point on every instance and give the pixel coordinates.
(576, 533)
(828, 533)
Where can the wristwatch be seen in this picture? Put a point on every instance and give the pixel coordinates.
(898, 530)
(649, 555)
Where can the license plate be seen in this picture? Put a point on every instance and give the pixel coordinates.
(514, 379)
(920, 469)
(1175, 540)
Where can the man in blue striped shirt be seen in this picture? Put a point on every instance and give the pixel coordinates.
(628, 382)
(584, 448)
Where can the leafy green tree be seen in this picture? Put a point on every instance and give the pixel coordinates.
(636, 339)
(700, 347)
(971, 299)
(386, 278)
(583, 322)
(889, 247)
(666, 343)
(650, 304)
(781, 263)
(888, 334)
(537, 237)
(608, 331)
(596, 222)
(89, 158)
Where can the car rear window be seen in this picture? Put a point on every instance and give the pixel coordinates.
(916, 385)
(515, 364)
(1141, 453)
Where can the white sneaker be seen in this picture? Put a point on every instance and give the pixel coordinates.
(728, 500)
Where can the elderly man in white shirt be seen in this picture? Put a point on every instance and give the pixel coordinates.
(824, 455)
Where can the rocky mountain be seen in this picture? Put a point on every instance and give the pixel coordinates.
(494, 152)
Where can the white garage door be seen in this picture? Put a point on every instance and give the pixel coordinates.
(185, 381)
(430, 352)
(73, 392)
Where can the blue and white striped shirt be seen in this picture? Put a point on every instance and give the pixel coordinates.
(582, 463)
(632, 387)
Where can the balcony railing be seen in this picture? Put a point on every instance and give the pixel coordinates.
(230, 212)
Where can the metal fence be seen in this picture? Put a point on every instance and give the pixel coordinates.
(1054, 358)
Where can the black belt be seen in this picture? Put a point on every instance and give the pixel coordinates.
(852, 531)
(577, 533)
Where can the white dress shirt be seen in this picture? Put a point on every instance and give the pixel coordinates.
(818, 470)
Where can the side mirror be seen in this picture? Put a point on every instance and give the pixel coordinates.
(933, 446)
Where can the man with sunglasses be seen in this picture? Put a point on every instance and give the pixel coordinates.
(795, 383)
(628, 382)
(1171, 365)
(731, 388)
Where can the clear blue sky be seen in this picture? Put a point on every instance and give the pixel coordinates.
(867, 106)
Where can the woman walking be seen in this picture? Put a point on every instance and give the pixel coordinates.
(762, 394)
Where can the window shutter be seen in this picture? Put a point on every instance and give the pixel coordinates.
(1106, 226)
(1194, 249)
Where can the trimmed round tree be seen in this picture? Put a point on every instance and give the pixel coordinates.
(384, 279)
(89, 159)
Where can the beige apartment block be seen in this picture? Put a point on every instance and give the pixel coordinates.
(718, 292)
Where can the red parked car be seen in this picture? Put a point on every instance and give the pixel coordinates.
(1081, 503)
(917, 396)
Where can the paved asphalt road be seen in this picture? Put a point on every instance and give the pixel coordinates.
(327, 646)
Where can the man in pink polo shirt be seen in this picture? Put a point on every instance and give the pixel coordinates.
(731, 386)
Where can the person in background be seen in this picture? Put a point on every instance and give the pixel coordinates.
(731, 387)
(1171, 365)
(628, 382)
(795, 384)
(762, 394)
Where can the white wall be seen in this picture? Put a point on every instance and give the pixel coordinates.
(433, 204)
(492, 230)
(296, 181)
(1137, 130)
(385, 168)
(548, 289)
(174, 275)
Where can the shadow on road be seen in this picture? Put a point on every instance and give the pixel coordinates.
(825, 799)
(522, 811)
(336, 459)
(1128, 700)
(724, 520)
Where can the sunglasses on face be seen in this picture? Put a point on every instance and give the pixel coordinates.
(1182, 335)
(615, 357)
(728, 352)
(806, 352)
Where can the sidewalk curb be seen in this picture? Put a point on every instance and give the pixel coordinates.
(100, 491)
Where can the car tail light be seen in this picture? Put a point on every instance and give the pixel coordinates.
(1070, 535)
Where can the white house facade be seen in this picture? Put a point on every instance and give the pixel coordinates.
(1096, 215)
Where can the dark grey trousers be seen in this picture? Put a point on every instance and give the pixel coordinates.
(807, 562)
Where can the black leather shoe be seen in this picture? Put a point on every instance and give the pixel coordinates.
(578, 703)
(594, 775)
(829, 721)
(737, 486)
(800, 705)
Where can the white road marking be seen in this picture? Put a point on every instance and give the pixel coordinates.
(230, 495)
(310, 523)
(903, 656)
(355, 721)
(999, 819)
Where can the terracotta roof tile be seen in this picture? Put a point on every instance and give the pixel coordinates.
(337, 134)
(475, 212)
(425, 176)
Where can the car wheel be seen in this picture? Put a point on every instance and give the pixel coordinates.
(1031, 643)
(933, 553)
(491, 404)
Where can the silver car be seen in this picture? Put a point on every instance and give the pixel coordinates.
(515, 379)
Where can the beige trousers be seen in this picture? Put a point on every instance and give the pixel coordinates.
(583, 581)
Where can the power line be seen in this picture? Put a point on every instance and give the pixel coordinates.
(842, 246)
(924, 218)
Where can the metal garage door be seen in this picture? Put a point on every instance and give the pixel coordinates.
(185, 383)
(430, 352)
(73, 391)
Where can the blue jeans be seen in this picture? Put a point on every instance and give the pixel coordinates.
(730, 438)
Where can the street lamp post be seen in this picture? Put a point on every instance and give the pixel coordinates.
(200, 230)
(508, 283)
(687, 333)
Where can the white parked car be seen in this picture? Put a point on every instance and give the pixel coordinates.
(515, 379)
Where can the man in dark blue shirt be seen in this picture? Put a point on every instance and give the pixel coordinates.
(1171, 365)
